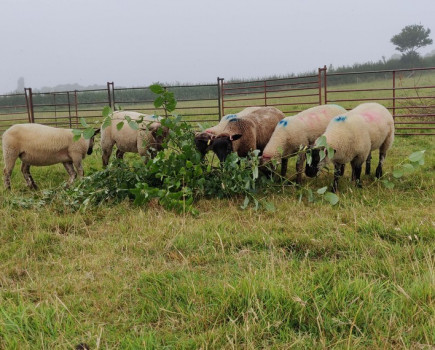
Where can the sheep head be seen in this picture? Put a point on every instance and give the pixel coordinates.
(223, 145)
(203, 142)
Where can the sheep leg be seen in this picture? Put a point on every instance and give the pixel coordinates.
(25, 169)
(379, 167)
(284, 163)
(9, 166)
(300, 167)
(356, 171)
(337, 174)
(368, 163)
(106, 149)
(342, 170)
(70, 170)
(119, 154)
(77, 161)
(383, 153)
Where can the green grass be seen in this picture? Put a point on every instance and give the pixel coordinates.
(358, 275)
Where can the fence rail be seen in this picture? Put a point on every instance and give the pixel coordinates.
(408, 93)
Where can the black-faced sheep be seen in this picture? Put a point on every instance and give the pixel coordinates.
(300, 130)
(353, 136)
(203, 139)
(127, 139)
(248, 130)
(40, 145)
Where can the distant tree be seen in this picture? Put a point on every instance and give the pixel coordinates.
(410, 39)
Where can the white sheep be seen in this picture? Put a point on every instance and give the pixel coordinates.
(128, 139)
(353, 136)
(247, 130)
(295, 131)
(41, 145)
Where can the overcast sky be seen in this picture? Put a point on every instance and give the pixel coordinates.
(138, 42)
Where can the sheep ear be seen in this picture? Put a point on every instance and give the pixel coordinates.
(235, 137)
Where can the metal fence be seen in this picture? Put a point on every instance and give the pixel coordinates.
(408, 93)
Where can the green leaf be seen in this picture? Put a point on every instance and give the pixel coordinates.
(322, 190)
(330, 151)
(255, 172)
(321, 141)
(107, 122)
(245, 203)
(132, 124)
(309, 158)
(159, 101)
(83, 122)
(387, 184)
(332, 198)
(76, 137)
(157, 89)
(417, 156)
(119, 126)
(106, 111)
(77, 132)
(269, 207)
(397, 173)
(407, 168)
(88, 133)
(322, 155)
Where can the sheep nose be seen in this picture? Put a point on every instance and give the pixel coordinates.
(265, 158)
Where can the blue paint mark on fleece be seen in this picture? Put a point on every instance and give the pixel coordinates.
(283, 123)
(340, 118)
(231, 116)
(233, 120)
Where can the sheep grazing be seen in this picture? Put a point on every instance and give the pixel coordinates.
(353, 136)
(247, 130)
(40, 145)
(300, 130)
(203, 139)
(146, 139)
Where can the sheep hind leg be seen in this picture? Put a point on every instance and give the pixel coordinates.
(71, 172)
(9, 166)
(25, 169)
(368, 163)
(383, 152)
(284, 164)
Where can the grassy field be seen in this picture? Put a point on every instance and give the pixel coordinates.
(358, 275)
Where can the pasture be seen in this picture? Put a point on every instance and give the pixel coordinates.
(357, 275)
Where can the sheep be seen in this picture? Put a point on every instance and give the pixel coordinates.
(248, 130)
(41, 145)
(353, 136)
(203, 139)
(295, 131)
(128, 139)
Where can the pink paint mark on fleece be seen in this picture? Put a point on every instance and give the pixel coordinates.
(310, 119)
(208, 131)
(370, 117)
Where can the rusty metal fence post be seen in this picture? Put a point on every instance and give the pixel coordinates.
(222, 97)
(111, 95)
(29, 104)
(325, 84)
(219, 98)
(394, 96)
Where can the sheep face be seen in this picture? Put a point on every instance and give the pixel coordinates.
(203, 142)
(91, 142)
(223, 145)
(158, 133)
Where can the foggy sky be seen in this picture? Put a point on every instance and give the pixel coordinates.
(136, 43)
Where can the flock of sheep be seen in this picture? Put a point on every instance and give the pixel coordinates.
(351, 137)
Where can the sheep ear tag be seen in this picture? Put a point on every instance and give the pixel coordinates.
(208, 143)
(235, 137)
